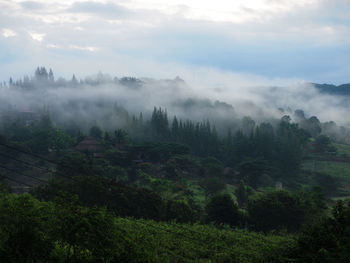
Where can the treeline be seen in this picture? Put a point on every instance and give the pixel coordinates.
(44, 78)
(273, 150)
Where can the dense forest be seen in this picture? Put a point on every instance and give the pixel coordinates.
(87, 177)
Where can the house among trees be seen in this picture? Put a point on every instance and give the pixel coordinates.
(92, 145)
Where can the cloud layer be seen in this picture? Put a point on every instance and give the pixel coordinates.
(306, 39)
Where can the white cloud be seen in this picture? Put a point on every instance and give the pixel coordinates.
(52, 46)
(8, 33)
(238, 11)
(84, 48)
(37, 36)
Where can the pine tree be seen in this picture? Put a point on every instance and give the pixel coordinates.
(51, 77)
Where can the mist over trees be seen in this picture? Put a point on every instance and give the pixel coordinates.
(113, 103)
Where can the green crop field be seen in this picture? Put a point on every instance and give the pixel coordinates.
(170, 242)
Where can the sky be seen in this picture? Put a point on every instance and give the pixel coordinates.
(267, 41)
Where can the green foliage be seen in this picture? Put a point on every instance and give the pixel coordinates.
(60, 140)
(159, 122)
(212, 185)
(328, 183)
(322, 143)
(327, 240)
(23, 228)
(120, 137)
(83, 234)
(117, 157)
(251, 170)
(180, 211)
(291, 142)
(276, 210)
(212, 167)
(93, 190)
(221, 209)
(96, 132)
(74, 164)
(33, 231)
(242, 193)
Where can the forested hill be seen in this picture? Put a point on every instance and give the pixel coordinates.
(343, 89)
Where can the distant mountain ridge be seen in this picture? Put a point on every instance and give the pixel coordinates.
(343, 89)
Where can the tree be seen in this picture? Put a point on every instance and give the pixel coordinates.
(96, 132)
(51, 77)
(73, 164)
(322, 143)
(242, 193)
(251, 170)
(290, 145)
(222, 209)
(74, 80)
(175, 129)
(212, 185)
(159, 122)
(60, 140)
(327, 240)
(84, 234)
(42, 134)
(41, 74)
(179, 210)
(275, 210)
(24, 223)
(120, 136)
(248, 125)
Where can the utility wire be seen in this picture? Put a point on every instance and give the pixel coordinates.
(41, 158)
(15, 180)
(26, 152)
(24, 162)
(30, 176)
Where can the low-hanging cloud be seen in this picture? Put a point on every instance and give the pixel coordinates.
(205, 93)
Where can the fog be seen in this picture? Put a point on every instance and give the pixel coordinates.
(224, 98)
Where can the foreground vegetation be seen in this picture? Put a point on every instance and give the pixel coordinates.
(63, 231)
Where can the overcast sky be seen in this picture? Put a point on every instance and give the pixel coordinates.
(260, 39)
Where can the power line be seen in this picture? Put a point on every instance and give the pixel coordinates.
(26, 152)
(42, 158)
(24, 162)
(15, 180)
(30, 176)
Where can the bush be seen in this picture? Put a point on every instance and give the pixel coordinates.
(327, 240)
(221, 209)
(275, 210)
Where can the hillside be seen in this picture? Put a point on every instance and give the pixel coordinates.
(343, 89)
